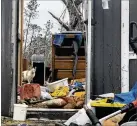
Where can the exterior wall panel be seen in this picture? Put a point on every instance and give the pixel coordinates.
(133, 63)
(107, 47)
(6, 71)
(107, 54)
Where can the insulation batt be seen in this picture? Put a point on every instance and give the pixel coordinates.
(28, 75)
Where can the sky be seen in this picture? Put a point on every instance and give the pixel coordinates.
(54, 6)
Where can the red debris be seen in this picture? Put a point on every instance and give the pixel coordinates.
(28, 91)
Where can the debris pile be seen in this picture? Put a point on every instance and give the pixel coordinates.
(59, 94)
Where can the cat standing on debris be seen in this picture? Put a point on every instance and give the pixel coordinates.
(28, 75)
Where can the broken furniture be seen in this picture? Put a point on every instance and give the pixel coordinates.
(63, 59)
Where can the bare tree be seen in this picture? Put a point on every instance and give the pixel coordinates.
(35, 32)
(48, 41)
(30, 13)
(37, 40)
(75, 16)
(40, 42)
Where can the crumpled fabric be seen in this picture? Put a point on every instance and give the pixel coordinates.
(60, 92)
(128, 97)
(46, 95)
(59, 38)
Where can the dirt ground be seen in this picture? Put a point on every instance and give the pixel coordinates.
(6, 121)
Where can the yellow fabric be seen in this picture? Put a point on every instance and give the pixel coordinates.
(60, 91)
(80, 94)
(103, 103)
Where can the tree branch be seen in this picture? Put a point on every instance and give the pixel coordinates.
(78, 2)
(62, 23)
(64, 1)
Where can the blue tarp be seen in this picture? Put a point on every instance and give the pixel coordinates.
(59, 38)
(127, 97)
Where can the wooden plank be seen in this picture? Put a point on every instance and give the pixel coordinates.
(68, 57)
(53, 60)
(68, 64)
(81, 47)
(68, 74)
(70, 36)
(25, 64)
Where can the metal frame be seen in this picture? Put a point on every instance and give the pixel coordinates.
(89, 55)
(14, 57)
(52, 110)
(132, 55)
(124, 45)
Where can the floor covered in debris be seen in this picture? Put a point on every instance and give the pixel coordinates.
(6, 121)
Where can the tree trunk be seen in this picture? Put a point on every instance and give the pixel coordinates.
(27, 34)
(75, 17)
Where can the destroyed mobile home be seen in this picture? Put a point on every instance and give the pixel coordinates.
(63, 90)
(83, 67)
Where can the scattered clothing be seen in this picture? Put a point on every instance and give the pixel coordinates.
(59, 38)
(78, 38)
(78, 86)
(46, 95)
(127, 97)
(60, 92)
